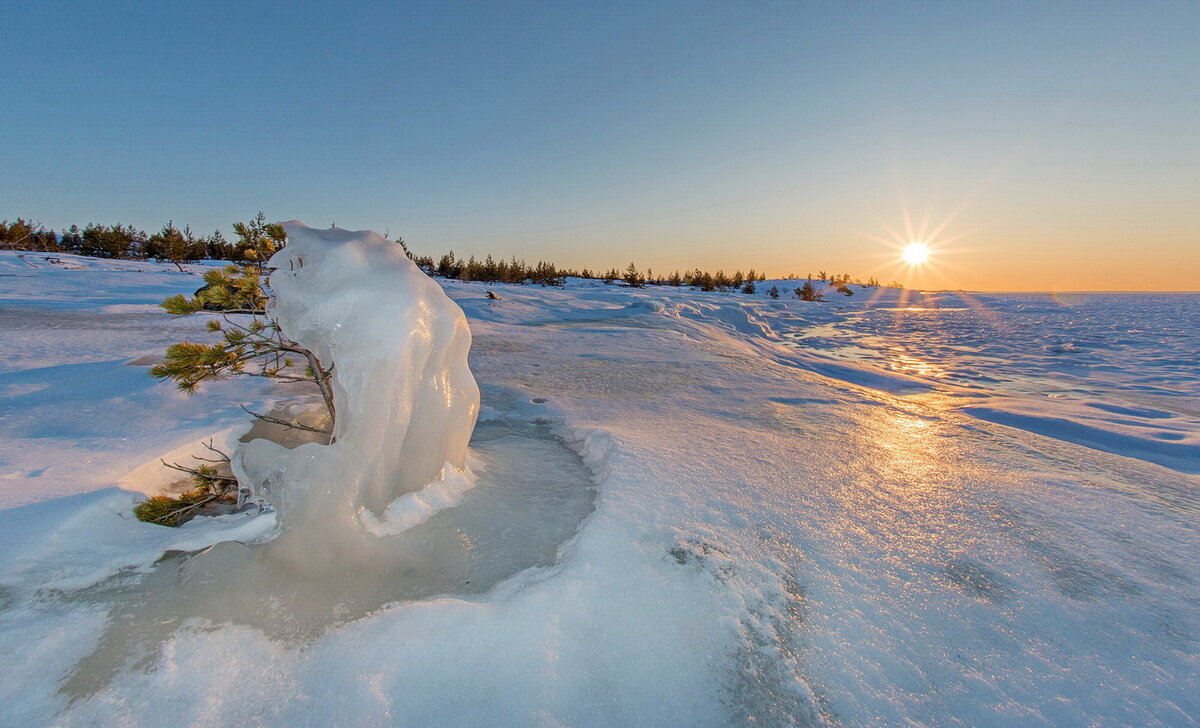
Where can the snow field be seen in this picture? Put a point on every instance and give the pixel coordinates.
(758, 542)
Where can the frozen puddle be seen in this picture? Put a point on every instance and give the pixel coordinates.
(532, 494)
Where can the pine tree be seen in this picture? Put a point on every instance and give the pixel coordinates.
(633, 277)
(72, 240)
(20, 234)
(172, 244)
(256, 346)
(807, 292)
(404, 246)
(216, 247)
(258, 240)
(112, 241)
(448, 266)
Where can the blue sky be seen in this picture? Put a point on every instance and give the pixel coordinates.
(1048, 145)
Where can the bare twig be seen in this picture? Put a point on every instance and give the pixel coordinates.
(209, 460)
(193, 471)
(209, 446)
(285, 423)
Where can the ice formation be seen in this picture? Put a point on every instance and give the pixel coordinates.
(406, 400)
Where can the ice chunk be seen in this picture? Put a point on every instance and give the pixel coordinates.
(406, 401)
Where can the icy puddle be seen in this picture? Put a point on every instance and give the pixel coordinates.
(532, 494)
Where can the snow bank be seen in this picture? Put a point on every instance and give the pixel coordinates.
(406, 401)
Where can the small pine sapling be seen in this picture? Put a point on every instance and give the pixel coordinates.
(633, 277)
(254, 347)
(808, 292)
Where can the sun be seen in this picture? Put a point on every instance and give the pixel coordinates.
(915, 253)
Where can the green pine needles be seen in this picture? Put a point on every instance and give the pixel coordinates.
(254, 346)
(166, 510)
(232, 289)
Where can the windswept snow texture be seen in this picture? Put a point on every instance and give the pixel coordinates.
(801, 516)
(1115, 372)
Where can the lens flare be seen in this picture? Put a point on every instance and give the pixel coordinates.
(915, 253)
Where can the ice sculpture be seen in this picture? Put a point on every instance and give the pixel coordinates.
(406, 401)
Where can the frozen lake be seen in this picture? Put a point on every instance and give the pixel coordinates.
(1115, 371)
(772, 520)
(1139, 346)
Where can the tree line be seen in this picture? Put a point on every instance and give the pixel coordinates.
(179, 245)
(514, 270)
(94, 240)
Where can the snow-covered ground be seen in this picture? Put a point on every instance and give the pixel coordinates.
(1117, 372)
(693, 509)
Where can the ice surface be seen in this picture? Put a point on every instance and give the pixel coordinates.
(528, 495)
(1115, 372)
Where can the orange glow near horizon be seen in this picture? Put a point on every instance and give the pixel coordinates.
(919, 242)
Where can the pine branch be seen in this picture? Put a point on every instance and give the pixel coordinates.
(172, 516)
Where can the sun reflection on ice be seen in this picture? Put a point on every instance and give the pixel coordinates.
(909, 364)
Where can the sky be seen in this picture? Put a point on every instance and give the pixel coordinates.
(1033, 146)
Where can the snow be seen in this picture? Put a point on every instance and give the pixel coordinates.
(687, 509)
(79, 411)
(1109, 371)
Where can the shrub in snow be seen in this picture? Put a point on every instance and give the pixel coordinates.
(168, 510)
(252, 347)
(808, 292)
